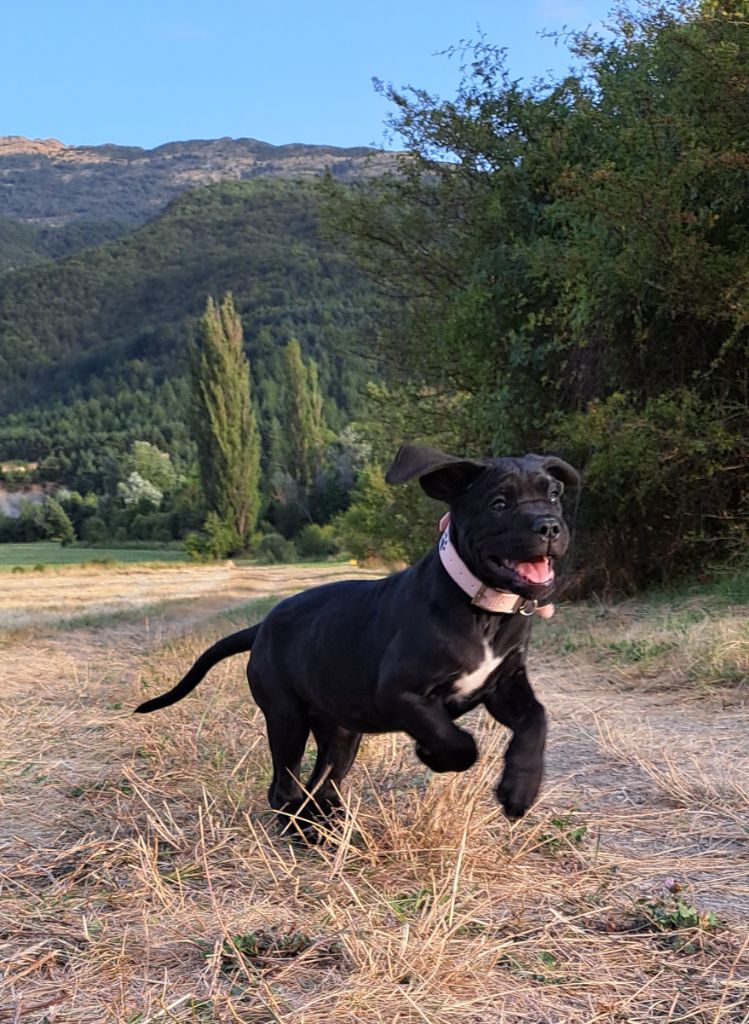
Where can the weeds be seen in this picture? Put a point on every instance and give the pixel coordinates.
(681, 925)
(105, 786)
(696, 635)
(545, 970)
(566, 833)
(634, 650)
(409, 905)
(267, 949)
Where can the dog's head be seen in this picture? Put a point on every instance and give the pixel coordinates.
(505, 514)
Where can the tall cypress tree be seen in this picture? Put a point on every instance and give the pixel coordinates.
(304, 414)
(224, 422)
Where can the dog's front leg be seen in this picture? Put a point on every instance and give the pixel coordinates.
(440, 744)
(514, 704)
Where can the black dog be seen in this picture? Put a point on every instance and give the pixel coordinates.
(414, 651)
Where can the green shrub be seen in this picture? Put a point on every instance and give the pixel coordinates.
(217, 540)
(153, 526)
(665, 488)
(94, 531)
(394, 524)
(275, 548)
(195, 546)
(316, 541)
(57, 525)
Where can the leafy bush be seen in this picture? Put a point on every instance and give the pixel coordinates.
(681, 925)
(665, 488)
(195, 546)
(389, 523)
(94, 530)
(45, 520)
(57, 526)
(217, 540)
(137, 490)
(152, 526)
(275, 548)
(316, 541)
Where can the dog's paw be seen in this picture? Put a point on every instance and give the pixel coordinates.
(450, 759)
(302, 829)
(313, 821)
(517, 793)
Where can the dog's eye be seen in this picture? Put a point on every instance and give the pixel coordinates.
(499, 504)
(554, 496)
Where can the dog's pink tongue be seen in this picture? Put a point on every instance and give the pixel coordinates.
(537, 571)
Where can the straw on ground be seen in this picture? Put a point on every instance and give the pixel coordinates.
(142, 880)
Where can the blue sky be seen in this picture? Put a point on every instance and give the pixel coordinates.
(143, 73)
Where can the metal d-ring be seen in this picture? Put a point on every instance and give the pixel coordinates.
(529, 607)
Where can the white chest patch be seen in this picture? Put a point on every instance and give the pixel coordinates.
(469, 682)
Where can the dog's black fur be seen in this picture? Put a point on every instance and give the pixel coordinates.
(363, 656)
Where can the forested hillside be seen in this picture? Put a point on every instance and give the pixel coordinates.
(93, 347)
(23, 243)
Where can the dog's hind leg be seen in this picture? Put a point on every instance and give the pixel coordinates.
(336, 750)
(514, 704)
(288, 728)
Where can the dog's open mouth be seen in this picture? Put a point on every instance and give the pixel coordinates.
(535, 570)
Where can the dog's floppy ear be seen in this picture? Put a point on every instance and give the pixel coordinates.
(442, 476)
(561, 470)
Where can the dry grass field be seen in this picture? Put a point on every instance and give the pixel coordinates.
(141, 879)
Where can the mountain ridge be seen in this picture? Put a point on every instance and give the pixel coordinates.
(48, 183)
(22, 145)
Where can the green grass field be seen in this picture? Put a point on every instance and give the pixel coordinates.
(50, 553)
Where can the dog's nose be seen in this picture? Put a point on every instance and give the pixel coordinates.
(548, 527)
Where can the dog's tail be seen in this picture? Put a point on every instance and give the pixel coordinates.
(234, 644)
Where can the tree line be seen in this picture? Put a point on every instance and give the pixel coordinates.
(298, 475)
(571, 261)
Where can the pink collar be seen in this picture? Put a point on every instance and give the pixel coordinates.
(484, 597)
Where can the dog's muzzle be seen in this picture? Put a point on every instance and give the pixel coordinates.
(489, 599)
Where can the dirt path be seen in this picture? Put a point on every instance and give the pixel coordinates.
(645, 789)
(669, 772)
